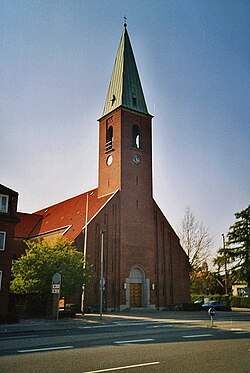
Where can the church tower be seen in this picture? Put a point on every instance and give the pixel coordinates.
(144, 264)
(125, 164)
(125, 141)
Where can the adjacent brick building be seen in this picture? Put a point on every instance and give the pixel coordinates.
(143, 262)
(8, 251)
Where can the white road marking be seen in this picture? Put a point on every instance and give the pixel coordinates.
(124, 367)
(116, 325)
(243, 332)
(44, 349)
(197, 336)
(135, 340)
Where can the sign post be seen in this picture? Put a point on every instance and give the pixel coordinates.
(56, 286)
(211, 313)
(102, 281)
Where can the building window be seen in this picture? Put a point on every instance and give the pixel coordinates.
(4, 203)
(136, 136)
(2, 240)
(1, 277)
(109, 138)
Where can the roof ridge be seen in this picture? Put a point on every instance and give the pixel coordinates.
(63, 201)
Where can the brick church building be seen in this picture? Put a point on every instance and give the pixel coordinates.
(144, 265)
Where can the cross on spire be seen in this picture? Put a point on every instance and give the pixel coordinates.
(125, 21)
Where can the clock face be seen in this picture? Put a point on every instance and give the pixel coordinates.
(109, 160)
(136, 159)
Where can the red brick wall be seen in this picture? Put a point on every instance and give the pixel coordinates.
(136, 232)
(148, 242)
(5, 263)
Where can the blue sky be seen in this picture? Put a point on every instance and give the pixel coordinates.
(194, 62)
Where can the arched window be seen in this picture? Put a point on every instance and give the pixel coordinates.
(109, 138)
(136, 273)
(136, 136)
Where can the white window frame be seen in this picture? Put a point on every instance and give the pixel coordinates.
(4, 241)
(1, 279)
(4, 210)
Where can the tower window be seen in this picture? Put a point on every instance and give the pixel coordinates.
(136, 136)
(109, 138)
(134, 101)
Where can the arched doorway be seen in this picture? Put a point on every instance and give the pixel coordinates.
(136, 287)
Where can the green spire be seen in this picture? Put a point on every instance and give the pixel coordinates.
(125, 87)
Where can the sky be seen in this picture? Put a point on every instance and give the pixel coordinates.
(193, 58)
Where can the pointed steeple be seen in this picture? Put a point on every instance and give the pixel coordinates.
(125, 87)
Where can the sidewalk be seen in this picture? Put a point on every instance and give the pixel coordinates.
(80, 320)
(32, 325)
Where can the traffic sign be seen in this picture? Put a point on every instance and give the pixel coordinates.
(211, 311)
(56, 279)
(55, 286)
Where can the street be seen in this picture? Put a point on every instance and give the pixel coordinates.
(160, 342)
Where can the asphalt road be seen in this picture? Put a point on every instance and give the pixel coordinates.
(133, 344)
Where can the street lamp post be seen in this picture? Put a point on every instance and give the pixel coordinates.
(85, 246)
(101, 273)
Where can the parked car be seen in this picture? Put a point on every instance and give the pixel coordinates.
(197, 304)
(217, 305)
(199, 301)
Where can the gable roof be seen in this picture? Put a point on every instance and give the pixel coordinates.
(5, 190)
(67, 217)
(125, 88)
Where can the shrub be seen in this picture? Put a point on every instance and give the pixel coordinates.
(241, 302)
(195, 297)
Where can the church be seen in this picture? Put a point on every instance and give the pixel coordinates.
(134, 252)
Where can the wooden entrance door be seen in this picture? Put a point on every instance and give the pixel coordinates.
(135, 295)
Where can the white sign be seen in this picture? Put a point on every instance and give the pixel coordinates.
(55, 291)
(56, 286)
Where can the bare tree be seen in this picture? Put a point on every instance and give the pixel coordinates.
(195, 240)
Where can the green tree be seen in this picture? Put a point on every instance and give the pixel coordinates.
(32, 272)
(203, 281)
(237, 248)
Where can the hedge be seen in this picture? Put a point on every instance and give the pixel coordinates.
(242, 302)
